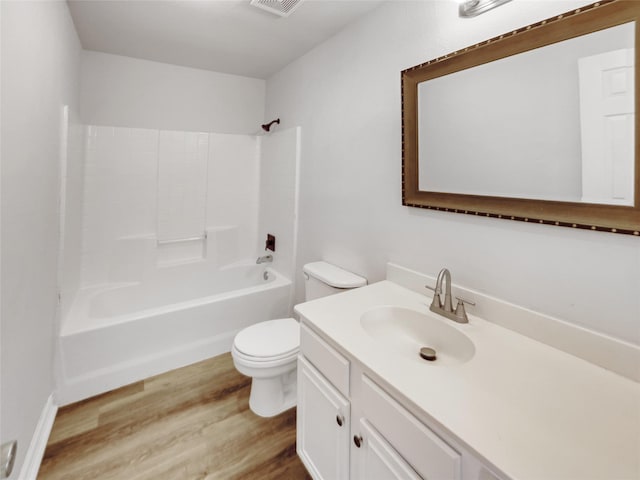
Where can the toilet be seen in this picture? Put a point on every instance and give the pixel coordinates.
(267, 351)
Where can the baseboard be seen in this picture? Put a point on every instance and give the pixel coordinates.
(33, 457)
(100, 381)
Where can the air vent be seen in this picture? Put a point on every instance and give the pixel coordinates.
(282, 8)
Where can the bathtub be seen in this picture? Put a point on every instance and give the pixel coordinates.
(116, 334)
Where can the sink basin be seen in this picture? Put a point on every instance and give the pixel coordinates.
(406, 331)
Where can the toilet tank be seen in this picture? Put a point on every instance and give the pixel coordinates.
(322, 279)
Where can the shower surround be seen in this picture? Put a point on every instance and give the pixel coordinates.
(142, 183)
(172, 222)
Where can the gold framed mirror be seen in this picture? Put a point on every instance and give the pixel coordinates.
(578, 167)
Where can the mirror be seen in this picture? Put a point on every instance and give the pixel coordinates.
(536, 125)
(563, 101)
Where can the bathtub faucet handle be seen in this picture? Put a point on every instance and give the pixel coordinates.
(270, 244)
(265, 259)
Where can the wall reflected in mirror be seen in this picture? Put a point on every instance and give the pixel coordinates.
(553, 123)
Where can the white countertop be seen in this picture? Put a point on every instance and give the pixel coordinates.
(532, 411)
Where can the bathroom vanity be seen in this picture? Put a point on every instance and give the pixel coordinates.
(349, 426)
(495, 404)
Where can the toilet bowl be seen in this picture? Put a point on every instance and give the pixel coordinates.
(267, 351)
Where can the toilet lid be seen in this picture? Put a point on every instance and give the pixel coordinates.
(273, 338)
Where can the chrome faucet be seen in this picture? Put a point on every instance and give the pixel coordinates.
(265, 259)
(446, 309)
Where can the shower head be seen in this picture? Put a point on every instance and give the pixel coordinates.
(267, 126)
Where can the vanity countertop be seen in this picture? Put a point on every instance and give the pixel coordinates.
(532, 411)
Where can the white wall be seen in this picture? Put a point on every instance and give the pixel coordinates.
(128, 92)
(345, 94)
(182, 184)
(71, 192)
(120, 195)
(40, 63)
(140, 187)
(123, 98)
(279, 167)
(232, 194)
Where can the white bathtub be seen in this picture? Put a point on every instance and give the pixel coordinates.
(116, 334)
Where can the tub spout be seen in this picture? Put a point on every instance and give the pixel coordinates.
(265, 259)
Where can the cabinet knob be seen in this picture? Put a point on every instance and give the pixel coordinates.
(340, 419)
(357, 439)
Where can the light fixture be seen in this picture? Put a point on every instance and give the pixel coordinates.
(473, 8)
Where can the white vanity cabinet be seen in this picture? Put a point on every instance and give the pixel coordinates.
(476, 417)
(323, 444)
(350, 427)
(323, 425)
(324, 411)
(378, 459)
(430, 456)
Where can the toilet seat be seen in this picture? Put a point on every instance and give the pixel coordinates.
(273, 341)
(263, 364)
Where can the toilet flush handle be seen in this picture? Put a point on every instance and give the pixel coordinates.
(306, 275)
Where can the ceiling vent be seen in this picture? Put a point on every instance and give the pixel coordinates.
(282, 8)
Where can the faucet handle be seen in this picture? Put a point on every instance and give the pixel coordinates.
(461, 313)
(464, 300)
(433, 289)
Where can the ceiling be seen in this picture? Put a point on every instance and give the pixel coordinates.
(229, 36)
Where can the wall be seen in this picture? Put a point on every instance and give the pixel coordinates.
(279, 168)
(71, 202)
(120, 196)
(127, 101)
(232, 194)
(128, 92)
(40, 63)
(345, 94)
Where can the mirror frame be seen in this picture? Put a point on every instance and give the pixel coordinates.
(591, 18)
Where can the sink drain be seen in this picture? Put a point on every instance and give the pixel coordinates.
(428, 354)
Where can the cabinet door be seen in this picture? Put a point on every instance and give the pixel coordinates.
(430, 456)
(377, 460)
(323, 425)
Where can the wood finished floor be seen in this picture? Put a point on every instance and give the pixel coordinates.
(190, 423)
